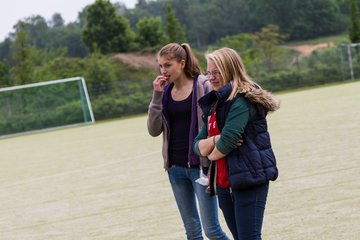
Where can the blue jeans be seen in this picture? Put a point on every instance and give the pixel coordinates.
(185, 188)
(244, 210)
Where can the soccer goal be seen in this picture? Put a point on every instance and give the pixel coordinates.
(44, 106)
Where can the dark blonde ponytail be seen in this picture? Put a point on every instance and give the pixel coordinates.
(192, 67)
(182, 52)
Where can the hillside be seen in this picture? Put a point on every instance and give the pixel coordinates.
(148, 60)
(138, 60)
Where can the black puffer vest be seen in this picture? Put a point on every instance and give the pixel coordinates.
(254, 161)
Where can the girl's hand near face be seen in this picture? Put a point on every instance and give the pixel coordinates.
(159, 83)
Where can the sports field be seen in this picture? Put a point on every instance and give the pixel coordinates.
(106, 181)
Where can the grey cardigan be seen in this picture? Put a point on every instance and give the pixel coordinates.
(158, 123)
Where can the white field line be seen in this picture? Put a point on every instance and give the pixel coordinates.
(78, 170)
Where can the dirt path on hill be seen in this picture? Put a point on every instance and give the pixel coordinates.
(148, 60)
(138, 60)
(308, 49)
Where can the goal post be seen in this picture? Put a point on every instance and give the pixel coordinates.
(349, 60)
(44, 106)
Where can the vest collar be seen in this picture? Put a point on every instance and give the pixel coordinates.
(224, 92)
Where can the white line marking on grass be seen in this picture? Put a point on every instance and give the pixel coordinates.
(79, 170)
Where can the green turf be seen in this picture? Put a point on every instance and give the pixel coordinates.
(106, 181)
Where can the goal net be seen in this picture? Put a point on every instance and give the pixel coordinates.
(44, 106)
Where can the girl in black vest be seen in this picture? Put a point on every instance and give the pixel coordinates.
(240, 173)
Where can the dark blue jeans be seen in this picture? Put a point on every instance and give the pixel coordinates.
(186, 190)
(244, 210)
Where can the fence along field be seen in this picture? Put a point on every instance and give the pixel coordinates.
(106, 181)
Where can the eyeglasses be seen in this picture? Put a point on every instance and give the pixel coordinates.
(213, 74)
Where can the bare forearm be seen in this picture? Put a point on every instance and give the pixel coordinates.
(215, 154)
(206, 146)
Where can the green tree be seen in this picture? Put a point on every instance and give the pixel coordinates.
(40, 57)
(141, 4)
(263, 12)
(81, 19)
(354, 30)
(21, 54)
(5, 49)
(106, 30)
(37, 31)
(5, 78)
(134, 15)
(150, 33)
(174, 29)
(100, 74)
(49, 37)
(268, 39)
(244, 44)
(61, 67)
(313, 19)
(69, 37)
(57, 21)
(299, 19)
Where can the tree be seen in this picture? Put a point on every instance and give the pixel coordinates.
(354, 30)
(82, 15)
(268, 39)
(243, 44)
(57, 21)
(37, 31)
(303, 19)
(141, 4)
(69, 37)
(5, 49)
(106, 30)
(21, 54)
(100, 74)
(5, 78)
(174, 29)
(150, 33)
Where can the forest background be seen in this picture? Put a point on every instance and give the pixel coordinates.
(103, 42)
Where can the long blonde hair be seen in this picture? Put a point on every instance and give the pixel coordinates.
(232, 69)
(182, 52)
